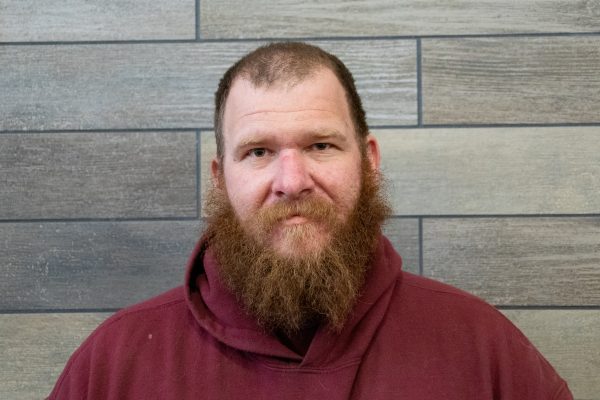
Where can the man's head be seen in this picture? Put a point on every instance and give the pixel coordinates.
(286, 63)
(295, 211)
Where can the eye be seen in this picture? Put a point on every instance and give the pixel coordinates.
(258, 152)
(321, 146)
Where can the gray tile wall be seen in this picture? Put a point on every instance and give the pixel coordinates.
(488, 115)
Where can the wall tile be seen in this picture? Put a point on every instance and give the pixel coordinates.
(511, 80)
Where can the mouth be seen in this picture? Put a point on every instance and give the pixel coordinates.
(295, 220)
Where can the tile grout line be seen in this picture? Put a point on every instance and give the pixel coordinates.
(303, 38)
(419, 85)
(399, 127)
(59, 311)
(94, 220)
(197, 21)
(100, 130)
(198, 175)
(199, 217)
(421, 246)
(547, 307)
(113, 310)
(493, 216)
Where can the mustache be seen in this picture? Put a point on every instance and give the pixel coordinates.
(312, 208)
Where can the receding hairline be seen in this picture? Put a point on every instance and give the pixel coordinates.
(288, 64)
(289, 85)
(286, 85)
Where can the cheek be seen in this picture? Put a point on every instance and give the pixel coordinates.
(343, 186)
(244, 193)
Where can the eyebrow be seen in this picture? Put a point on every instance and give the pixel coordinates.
(259, 139)
(329, 135)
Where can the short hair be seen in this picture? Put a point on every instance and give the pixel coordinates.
(290, 63)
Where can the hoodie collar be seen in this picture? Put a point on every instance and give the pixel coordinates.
(218, 312)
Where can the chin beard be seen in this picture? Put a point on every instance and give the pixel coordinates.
(298, 281)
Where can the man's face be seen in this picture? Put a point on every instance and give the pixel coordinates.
(287, 144)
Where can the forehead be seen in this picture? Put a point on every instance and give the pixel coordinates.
(319, 98)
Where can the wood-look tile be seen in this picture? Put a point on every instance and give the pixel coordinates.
(143, 85)
(313, 18)
(91, 265)
(511, 80)
(569, 339)
(482, 170)
(404, 235)
(517, 261)
(171, 85)
(35, 349)
(79, 20)
(98, 175)
(385, 73)
(492, 170)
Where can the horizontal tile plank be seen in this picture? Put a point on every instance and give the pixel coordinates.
(492, 170)
(483, 170)
(35, 349)
(100, 264)
(569, 339)
(404, 235)
(511, 80)
(91, 265)
(98, 175)
(262, 18)
(208, 152)
(171, 85)
(77, 20)
(517, 261)
(385, 72)
(142, 85)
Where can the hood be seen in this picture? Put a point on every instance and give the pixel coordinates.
(218, 312)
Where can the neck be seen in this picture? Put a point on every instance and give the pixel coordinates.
(299, 341)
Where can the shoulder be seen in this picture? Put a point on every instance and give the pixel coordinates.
(142, 314)
(168, 299)
(425, 292)
(446, 307)
(121, 339)
(426, 285)
(451, 326)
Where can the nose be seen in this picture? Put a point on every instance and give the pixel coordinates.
(292, 178)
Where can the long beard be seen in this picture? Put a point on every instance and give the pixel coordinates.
(312, 282)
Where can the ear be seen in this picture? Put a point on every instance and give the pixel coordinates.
(372, 150)
(216, 172)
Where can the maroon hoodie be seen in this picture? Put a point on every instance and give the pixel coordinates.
(407, 338)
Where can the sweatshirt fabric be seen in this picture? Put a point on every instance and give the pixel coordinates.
(408, 337)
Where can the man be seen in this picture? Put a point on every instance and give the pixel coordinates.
(292, 292)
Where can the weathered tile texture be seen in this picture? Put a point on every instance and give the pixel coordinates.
(517, 261)
(95, 20)
(511, 80)
(479, 171)
(314, 18)
(35, 348)
(171, 85)
(569, 340)
(91, 265)
(489, 148)
(98, 175)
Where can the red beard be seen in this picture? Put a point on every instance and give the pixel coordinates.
(312, 281)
